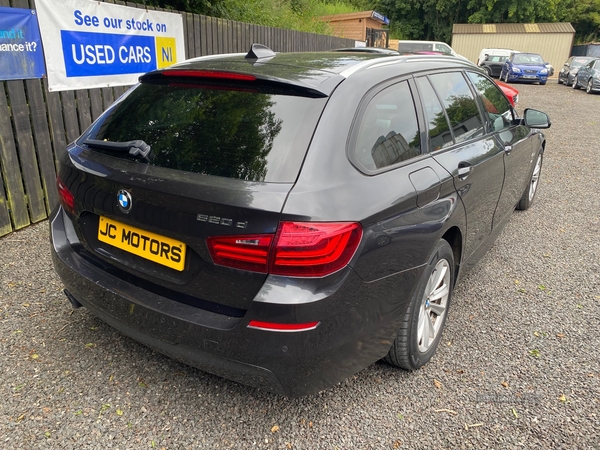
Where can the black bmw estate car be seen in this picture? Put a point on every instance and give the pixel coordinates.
(285, 220)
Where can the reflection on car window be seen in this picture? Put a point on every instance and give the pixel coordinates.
(389, 131)
(495, 104)
(227, 133)
(439, 131)
(460, 105)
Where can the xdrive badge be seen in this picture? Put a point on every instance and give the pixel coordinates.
(124, 201)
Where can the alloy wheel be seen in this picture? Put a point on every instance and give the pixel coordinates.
(434, 305)
(535, 177)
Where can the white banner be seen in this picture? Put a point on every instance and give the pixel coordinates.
(90, 44)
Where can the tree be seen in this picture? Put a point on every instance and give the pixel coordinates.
(433, 19)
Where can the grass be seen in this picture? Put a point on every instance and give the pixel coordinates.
(298, 15)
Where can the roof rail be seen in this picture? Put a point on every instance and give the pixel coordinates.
(259, 51)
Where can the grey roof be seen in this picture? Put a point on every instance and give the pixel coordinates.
(512, 28)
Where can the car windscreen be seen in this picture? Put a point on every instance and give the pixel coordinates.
(214, 130)
(528, 58)
(577, 62)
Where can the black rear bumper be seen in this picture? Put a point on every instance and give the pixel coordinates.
(357, 324)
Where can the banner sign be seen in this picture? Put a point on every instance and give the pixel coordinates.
(381, 17)
(21, 54)
(91, 44)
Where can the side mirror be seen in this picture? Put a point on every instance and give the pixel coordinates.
(536, 119)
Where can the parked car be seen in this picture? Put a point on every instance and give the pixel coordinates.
(285, 220)
(510, 91)
(588, 77)
(494, 51)
(569, 70)
(427, 46)
(525, 67)
(493, 64)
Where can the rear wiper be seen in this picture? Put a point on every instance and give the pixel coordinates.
(134, 148)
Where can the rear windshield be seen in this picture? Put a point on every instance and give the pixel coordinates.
(214, 131)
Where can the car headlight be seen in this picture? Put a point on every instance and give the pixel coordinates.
(516, 70)
(544, 72)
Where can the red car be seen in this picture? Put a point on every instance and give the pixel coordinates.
(511, 93)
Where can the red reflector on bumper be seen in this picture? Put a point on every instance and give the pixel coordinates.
(270, 326)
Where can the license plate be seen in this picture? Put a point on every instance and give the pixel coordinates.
(529, 76)
(154, 247)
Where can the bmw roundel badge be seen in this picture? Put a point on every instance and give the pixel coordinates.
(124, 200)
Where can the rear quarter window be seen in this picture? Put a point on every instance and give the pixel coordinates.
(388, 131)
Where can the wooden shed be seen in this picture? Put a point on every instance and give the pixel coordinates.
(551, 40)
(364, 27)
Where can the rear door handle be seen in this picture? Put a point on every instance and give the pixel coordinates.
(464, 169)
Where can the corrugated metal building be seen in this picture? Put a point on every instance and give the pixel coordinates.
(364, 26)
(551, 40)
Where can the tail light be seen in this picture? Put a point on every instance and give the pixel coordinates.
(301, 249)
(65, 197)
(241, 252)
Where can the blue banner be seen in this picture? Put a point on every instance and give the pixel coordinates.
(90, 54)
(21, 54)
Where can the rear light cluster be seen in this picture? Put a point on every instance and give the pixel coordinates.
(301, 249)
(65, 197)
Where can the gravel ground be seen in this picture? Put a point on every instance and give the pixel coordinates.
(518, 366)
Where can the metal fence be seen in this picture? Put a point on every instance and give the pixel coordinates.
(36, 125)
(586, 50)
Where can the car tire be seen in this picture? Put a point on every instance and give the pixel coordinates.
(589, 87)
(574, 85)
(559, 81)
(488, 71)
(423, 323)
(529, 194)
(506, 78)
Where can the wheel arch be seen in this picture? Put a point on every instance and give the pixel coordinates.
(454, 238)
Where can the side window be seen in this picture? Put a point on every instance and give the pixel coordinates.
(495, 104)
(440, 135)
(460, 105)
(388, 132)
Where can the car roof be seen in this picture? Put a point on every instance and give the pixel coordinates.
(318, 70)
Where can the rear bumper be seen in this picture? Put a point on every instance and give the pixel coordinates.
(357, 324)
